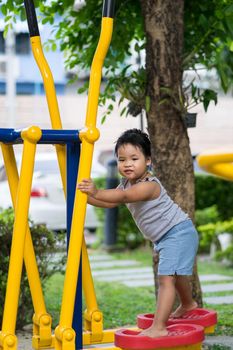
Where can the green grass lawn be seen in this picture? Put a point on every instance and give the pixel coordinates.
(120, 304)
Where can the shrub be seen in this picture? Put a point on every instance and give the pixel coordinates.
(207, 215)
(226, 255)
(209, 234)
(44, 243)
(210, 190)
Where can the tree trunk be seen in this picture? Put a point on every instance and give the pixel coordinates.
(163, 22)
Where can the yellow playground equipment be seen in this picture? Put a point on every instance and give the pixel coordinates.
(74, 152)
(218, 162)
(67, 144)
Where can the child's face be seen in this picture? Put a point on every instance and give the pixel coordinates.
(132, 163)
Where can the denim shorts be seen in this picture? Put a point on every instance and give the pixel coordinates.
(177, 249)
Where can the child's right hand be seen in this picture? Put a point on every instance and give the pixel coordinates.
(87, 186)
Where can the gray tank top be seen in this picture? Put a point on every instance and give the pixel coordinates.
(157, 216)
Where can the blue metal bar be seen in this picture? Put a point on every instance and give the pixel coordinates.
(10, 136)
(60, 136)
(13, 136)
(72, 158)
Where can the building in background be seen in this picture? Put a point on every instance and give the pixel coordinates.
(27, 77)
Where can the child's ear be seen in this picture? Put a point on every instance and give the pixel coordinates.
(148, 162)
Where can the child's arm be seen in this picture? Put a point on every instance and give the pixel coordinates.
(141, 191)
(100, 204)
(93, 201)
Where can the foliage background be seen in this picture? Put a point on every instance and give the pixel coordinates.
(45, 243)
(211, 190)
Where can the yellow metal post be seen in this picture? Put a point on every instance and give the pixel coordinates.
(7, 336)
(42, 321)
(93, 318)
(88, 137)
(54, 116)
(51, 100)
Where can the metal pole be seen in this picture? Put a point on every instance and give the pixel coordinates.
(111, 214)
(72, 156)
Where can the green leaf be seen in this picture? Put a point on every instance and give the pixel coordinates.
(137, 47)
(8, 18)
(229, 22)
(110, 107)
(208, 96)
(103, 119)
(229, 10)
(147, 103)
(54, 46)
(219, 14)
(4, 9)
(203, 21)
(163, 101)
(193, 90)
(123, 111)
(231, 46)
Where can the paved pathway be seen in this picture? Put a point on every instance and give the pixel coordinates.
(225, 341)
(132, 274)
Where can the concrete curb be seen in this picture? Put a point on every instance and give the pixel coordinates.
(219, 340)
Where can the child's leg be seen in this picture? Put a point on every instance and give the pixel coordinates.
(187, 303)
(165, 302)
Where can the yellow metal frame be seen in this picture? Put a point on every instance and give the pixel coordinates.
(51, 100)
(93, 320)
(22, 247)
(21, 234)
(41, 320)
(217, 162)
(93, 317)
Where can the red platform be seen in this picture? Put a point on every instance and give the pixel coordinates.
(178, 335)
(201, 317)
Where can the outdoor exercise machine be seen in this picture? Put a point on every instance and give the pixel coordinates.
(67, 144)
(74, 152)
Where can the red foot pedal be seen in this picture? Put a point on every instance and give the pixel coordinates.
(201, 317)
(178, 335)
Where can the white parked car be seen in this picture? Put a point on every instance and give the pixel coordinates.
(47, 202)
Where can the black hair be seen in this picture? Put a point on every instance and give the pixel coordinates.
(136, 138)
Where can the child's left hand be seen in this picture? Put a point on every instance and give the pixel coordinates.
(87, 186)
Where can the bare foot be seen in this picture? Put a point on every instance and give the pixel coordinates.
(152, 332)
(181, 310)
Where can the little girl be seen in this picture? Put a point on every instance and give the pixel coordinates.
(159, 219)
